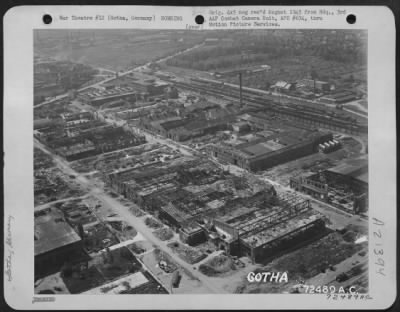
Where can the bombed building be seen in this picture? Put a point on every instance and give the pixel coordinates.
(344, 186)
(79, 138)
(261, 231)
(237, 214)
(183, 193)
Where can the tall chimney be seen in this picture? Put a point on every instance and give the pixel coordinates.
(240, 89)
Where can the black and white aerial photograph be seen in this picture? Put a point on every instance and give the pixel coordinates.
(200, 162)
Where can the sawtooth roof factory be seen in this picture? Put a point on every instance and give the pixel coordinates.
(123, 88)
(241, 215)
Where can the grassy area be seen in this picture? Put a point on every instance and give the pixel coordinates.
(119, 55)
(218, 265)
(124, 230)
(152, 223)
(162, 256)
(98, 238)
(115, 263)
(80, 281)
(316, 257)
(140, 247)
(164, 234)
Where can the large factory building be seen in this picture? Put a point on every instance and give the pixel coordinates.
(262, 233)
(56, 243)
(267, 152)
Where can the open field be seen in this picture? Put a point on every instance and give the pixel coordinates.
(114, 51)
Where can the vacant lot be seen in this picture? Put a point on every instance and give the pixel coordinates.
(115, 263)
(140, 247)
(217, 266)
(81, 280)
(186, 253)
(123, 230)
(164, 234)
(120, 55)
(99, 237)
(52, 184)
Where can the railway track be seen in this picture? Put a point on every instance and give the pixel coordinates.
(327, 118)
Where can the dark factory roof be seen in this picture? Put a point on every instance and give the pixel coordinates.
(362, 177)
(52, 232)
(45, 122)
(357, 169)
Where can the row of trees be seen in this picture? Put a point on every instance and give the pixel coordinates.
(252, 49)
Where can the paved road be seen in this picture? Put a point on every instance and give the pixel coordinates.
(46, 205)
(124, 212)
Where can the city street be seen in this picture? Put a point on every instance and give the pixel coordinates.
(122, 211)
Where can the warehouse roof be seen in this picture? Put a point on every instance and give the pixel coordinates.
(362, 177)
(52, 232)
(352, 168)
(42, 123)
(281, 229)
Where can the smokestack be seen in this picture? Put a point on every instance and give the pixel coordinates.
(314, 86)
(240, 88)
